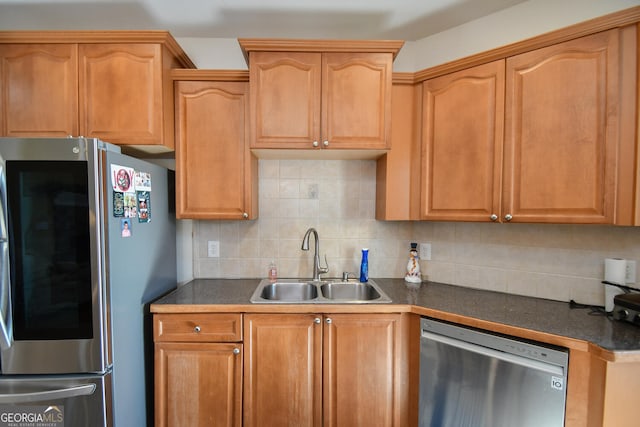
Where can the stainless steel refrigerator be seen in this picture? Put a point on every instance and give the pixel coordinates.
(87, 241)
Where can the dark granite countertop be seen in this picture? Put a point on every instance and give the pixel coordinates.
(534, 314)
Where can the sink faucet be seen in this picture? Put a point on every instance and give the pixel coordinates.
(317, 270)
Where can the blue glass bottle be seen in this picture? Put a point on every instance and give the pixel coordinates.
(364, 266)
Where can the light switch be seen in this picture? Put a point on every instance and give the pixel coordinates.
(425, 251)
(213, 249)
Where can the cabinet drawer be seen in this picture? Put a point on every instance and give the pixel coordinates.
(197, 327)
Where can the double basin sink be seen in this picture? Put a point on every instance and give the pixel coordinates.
(329, 291)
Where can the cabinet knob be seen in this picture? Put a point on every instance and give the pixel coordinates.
(508, 217)
(315, 143)
(325, 143)
(236, 351)
(245, 215)
(197, 329)
(316, 320)
(328, 320)
(493, 217)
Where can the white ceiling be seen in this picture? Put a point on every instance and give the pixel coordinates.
(348, 19)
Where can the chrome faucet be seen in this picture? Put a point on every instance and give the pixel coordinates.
(317, 270)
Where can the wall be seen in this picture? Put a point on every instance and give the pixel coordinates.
(559, 262)
(510, 25)
(337, 197)
(225, 54)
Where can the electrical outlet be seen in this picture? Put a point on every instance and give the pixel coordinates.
(213, 249)
(630, 276)
(425, 251)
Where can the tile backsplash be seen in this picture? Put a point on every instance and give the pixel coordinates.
(337, 198)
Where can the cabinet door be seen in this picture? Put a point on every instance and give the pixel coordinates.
(398, 171)
(462, 144)
(198, 384)
(283, 361)
(356, 100)
(121, 93)
(561, 132)
(215, 172)
(38, 90)
(362, 370)
(285, 99)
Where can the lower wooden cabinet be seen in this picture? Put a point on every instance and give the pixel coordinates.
(614, 391)
(363, 370)
(283, 370)
(325, 370)
(272, 369)
(198, 382)
(336, 369)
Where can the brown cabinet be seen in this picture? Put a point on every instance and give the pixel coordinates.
(198, 369)
(283, 370)
(398, 170)
(364, 370)
(326, 370)
(614, 389)
(557, 108)
(121, 94)
(216, 174)
(112, 85)
(462, 126)
(39, 90)
(561, 132)
(320, 95)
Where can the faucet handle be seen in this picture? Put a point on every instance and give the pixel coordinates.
(325, 269)
(345, 276)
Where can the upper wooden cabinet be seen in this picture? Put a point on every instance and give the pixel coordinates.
(398, 170)
(462, 126)
(39, 90)
(320, 94)
(567, 129)
(114, 86)
(216, 174)
(562, 132)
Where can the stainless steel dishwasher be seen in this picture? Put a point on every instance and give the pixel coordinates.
(472, 378)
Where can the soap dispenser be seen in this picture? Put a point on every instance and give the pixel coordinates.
(413, 266)
(273, 271)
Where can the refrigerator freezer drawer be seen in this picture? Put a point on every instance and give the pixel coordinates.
(69, 401)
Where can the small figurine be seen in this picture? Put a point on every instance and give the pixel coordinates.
(413, 266)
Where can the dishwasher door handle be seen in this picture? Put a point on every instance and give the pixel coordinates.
(507, 357)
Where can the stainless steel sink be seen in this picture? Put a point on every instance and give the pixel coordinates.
(354, 291)
(289, 291)
(329, 291)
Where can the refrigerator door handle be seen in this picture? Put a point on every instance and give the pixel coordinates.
(6, 329)
(38, 396)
